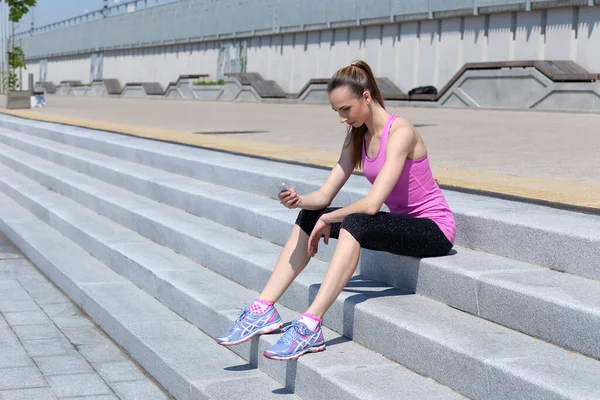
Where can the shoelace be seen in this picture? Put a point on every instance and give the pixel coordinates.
(293, 334)
(241, 316)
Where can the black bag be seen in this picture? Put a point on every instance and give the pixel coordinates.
(423, 90)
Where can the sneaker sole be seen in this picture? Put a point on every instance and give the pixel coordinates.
(263, 331)
(316, 349)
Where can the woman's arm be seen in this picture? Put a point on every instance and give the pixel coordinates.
(401, 141)
(323, 197)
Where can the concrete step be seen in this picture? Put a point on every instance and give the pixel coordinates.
(512, 293)
(473, 356)
(185, 361)
(561, 240)
(209, 300)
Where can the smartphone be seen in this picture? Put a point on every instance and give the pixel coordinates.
(282, 187)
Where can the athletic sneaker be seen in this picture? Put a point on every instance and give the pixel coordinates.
(247, 325)
(296, 341)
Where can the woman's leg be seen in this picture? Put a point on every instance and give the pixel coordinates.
(294, 257)
(398, 234)
(383, 231)
(341, 268)
(305, 336)
(291, 262)
(261, 317)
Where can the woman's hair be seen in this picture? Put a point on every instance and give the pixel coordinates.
(357, 77)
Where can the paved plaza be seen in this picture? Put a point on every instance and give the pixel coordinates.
(50, 350)
(544, 156)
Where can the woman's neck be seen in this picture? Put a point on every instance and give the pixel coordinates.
(377, 121)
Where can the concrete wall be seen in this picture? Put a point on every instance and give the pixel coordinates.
(588, 39)
(72, 68)
(33, 68)
(409, 53)
(161, 65)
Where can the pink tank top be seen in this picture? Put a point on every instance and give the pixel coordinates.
(416, 193)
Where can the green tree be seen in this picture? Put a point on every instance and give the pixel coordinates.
(16, 57)
(18, 8)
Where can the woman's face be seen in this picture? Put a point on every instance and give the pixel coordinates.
(352, 111)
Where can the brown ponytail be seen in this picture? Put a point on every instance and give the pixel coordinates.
(358, 77)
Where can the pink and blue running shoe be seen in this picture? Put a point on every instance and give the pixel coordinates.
(296, 341)
(247, 325)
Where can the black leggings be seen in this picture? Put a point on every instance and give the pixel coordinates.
(394, 233)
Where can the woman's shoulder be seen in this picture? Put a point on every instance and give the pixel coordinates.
(402, 126)
(402, 136)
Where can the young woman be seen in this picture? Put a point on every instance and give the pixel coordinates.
(420, 223)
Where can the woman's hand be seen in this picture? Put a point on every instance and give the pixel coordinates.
(321, 229)
(289, 198)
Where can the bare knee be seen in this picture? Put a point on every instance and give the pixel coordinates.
(307, 219)
(347, 237)
(354, 226)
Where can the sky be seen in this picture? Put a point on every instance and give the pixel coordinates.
(49, 11)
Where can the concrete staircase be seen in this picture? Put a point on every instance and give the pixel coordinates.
(161, 243)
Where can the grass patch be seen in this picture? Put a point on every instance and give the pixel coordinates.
(208, 83)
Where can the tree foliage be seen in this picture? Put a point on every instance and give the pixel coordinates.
(16, 57)
(18, 8)
(16, 60)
